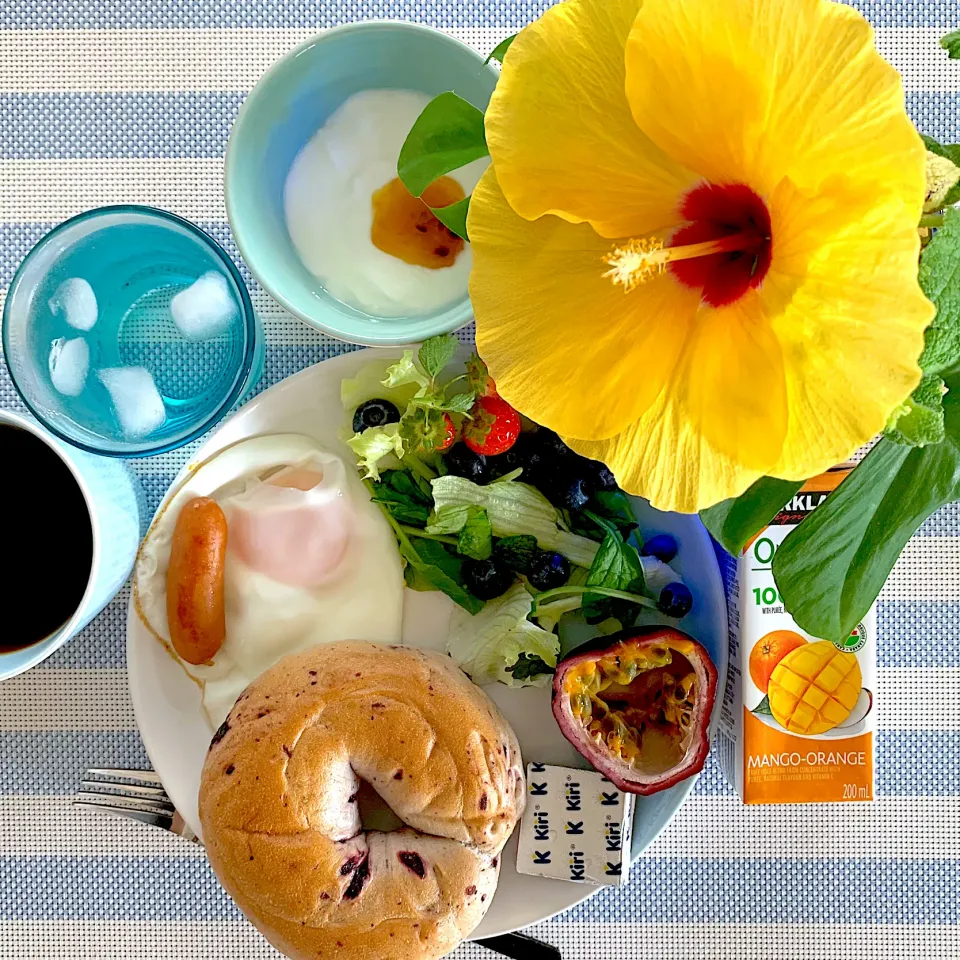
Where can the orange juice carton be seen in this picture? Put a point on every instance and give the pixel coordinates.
(798, 712)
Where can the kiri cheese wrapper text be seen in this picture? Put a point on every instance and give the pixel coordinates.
(576, 826)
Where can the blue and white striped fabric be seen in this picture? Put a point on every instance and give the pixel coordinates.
(105, 101)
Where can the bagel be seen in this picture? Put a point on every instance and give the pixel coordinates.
(279, 814)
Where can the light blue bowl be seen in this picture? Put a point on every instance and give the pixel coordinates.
(291, 102)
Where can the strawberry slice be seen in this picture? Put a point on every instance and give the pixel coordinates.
(494, 426)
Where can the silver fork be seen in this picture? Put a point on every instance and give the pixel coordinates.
(133, 795)
(139, 795)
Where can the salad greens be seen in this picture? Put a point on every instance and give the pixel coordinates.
(488, 646)
(515, 509)
(444, 522)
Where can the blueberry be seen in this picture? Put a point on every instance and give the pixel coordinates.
(675, 600)
(524, 454)
(575, 493)
(548, 570)
(461, 461)
(662, 546)
(550, 447)
(603, 478)
(486, 579)
(374, 413)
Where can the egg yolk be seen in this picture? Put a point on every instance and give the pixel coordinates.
(405, 227)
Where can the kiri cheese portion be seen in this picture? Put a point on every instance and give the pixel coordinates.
(576, 826)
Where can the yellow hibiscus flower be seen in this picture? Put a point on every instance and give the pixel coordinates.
(695, 251)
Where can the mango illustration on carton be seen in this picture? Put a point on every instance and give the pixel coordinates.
(797, 719)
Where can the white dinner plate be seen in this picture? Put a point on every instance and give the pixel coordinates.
(176, 733)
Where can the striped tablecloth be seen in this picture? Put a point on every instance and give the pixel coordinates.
(107, 101)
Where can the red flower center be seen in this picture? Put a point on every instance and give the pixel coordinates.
(714, 212)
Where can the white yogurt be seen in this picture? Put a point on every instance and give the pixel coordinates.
(328, 201)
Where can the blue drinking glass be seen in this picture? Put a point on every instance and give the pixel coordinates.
(150, 373)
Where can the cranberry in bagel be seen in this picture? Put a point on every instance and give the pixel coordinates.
(278, 802)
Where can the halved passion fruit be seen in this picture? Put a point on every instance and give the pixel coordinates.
(637, 706)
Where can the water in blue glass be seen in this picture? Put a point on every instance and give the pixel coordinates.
(135, 270)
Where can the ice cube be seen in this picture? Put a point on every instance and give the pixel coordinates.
(69, 364)
(75, 299)
(136, 399)
(204, 309)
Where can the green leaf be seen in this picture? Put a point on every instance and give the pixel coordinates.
(528, 666)
(450, 519)
(940, 281)
(405, 372)
(517, 553)
(436, 353)
(401, 493)
(476, 536)
(950, 43)
(488, 645)
(373, 445)
(733, 522)
(460, 403)
(607, 509)
(423, 428)
(448, 134)
(919, 420)
(617, 567)
(500, 50)
(515, 509)
(438, 567)
(454, 216)
(830, 569)
(763, 707)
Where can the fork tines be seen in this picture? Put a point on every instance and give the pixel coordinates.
(134, 794)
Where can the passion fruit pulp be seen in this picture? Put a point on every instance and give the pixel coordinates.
(637, 706)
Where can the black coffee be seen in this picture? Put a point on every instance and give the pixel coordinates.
(46, 544)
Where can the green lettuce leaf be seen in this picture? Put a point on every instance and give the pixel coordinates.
(529, 667)
(476, 536)
(733, 522)
(831, 567)
(515, 509)
(373, 445)
(405, 372)
(489, 645)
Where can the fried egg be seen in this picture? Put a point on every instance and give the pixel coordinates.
(309, 560)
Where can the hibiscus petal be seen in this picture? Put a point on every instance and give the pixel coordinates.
(849, 314)
(560, 131)
(756, 91)
(719, 423)
(566, 346)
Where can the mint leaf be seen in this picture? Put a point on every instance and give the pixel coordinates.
(500, 50)
(528, 666)
(940, 281)
(950, 43)
(919, 420)
(436, 353)
(459, 403)
(447, 134)
(517, 553)
(830, 569)
(617, 567)
(476, 536)
(733, 522)
(454, 216)
(763, 707)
